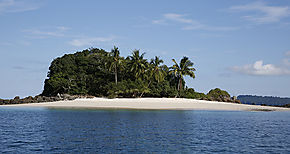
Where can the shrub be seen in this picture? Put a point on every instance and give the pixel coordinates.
(219, 95)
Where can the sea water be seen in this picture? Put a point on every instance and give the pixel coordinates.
(40, 130)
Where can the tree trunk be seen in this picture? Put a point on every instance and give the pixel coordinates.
(178, 87)
(116, 75)
(143, 91)
(180, 84)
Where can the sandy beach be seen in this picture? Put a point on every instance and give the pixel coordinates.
(151, 104)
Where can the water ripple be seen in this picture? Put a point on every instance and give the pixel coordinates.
(125, 131)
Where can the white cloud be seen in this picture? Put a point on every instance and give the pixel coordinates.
(179, 18)
(263, 12)
(90, 41)
(62, 28)
(12, 6)
(189, 24)
(56, 32)
(160, 21)
(258, 68)
(44, 33)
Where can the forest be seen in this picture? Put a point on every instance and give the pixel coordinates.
(264, 100)
(96, 72)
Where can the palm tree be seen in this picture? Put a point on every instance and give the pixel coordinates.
(138, 64)
(183, 69)
(115, 53)
(155, 71)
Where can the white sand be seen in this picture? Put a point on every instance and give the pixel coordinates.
(151, 103)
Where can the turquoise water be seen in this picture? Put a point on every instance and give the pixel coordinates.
(26, 130)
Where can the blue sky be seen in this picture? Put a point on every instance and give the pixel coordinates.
(241, 46)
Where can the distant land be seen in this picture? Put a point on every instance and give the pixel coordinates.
(264, 100)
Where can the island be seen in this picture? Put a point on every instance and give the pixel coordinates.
(95, 78)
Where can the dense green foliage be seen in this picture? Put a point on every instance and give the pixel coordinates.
(264, 100)
(182, 69)
(218, 94)
(100, 73)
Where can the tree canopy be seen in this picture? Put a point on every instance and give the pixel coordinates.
(184, 68)
(100, 73)
(264, 100)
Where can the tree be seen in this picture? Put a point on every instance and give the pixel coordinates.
(100, 73)
(219, 95)
(182, 69)
(155, 71)
(115, 53)
(138, 64)
(58, 83)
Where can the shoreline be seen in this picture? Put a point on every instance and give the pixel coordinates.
(150, 104)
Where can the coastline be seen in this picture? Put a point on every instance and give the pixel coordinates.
(150, 104)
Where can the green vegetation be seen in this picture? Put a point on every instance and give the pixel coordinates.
(100, 73)
(182, 69)
(218, 94)
(265, 100)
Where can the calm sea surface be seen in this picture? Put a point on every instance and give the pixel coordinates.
(27, 130)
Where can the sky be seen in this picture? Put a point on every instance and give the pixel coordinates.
(241, 46)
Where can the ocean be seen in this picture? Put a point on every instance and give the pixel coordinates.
(41, 130)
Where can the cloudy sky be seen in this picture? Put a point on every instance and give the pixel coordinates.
(242, 46)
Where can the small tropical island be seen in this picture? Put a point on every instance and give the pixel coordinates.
(97, 76)
(96, 72)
